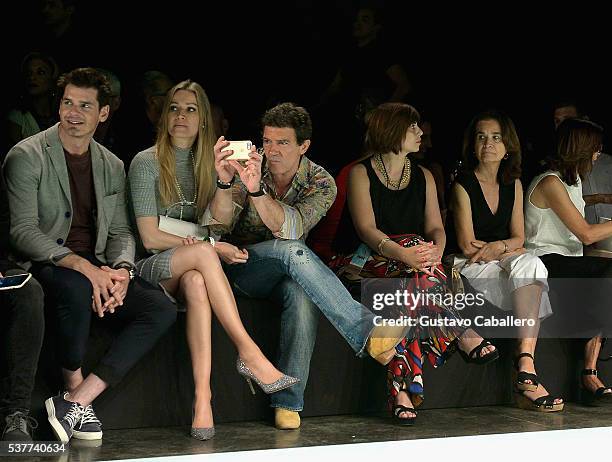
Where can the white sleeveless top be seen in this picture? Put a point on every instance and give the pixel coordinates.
(544, 231)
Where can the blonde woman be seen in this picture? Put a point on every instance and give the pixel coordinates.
(176, 178)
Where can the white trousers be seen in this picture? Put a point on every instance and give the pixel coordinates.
(496, 280)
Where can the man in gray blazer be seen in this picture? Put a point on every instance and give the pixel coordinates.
(69, 218)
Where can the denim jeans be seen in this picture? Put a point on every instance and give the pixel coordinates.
(22, 334)
(289, 272)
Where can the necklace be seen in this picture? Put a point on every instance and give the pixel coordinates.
(183, 200)
(405, 177)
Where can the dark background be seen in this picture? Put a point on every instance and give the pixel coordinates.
(248, 56)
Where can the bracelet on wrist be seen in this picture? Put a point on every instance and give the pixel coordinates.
(381, 244)
(224, 185)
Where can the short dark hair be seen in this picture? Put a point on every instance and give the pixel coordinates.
(510, 168)
(288, 115)
(577, 141)
(87, 77)
(387, 127)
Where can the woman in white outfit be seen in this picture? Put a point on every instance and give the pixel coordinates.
(555, 229)
(488, 215)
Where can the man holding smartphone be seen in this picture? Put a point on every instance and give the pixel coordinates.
(22, 335)
(269, 211)
(69, 218)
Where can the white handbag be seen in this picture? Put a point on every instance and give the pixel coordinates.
(181, 228)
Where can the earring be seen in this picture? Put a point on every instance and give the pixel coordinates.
(506, 156)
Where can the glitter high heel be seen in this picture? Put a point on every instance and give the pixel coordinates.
(284, 382)
(201, 433)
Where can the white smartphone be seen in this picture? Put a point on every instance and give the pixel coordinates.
(14, 281)
(241, 150)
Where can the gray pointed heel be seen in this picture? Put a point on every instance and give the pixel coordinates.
(284, 382)
(203, 433)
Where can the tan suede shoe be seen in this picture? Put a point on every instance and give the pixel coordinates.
(285, 419)
(382, 342)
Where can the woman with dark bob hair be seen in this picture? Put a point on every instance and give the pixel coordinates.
(555, 229)
(488, 215)
(392, 209)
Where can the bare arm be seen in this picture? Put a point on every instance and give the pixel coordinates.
(221, 207)
(462, 213)
(550, 193)
(270, 211)
(154, 239)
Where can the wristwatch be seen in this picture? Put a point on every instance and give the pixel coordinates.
(130, 269)
(261, 192)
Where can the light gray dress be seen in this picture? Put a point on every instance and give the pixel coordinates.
(146, 202)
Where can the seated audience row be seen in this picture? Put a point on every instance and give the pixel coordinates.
(70, 210)
(69, 225)
(387, 197)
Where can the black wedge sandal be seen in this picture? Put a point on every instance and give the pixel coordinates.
(603, 395)
(522, 376)
(541, 404)
(474, 355)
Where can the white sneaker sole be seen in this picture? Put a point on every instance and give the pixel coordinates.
(56, 426)
(87, 435)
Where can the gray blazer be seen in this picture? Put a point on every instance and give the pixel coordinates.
(40, 203)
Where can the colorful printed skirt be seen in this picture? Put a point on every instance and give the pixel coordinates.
(434, 342)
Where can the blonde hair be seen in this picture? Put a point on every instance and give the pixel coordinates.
(202, 150)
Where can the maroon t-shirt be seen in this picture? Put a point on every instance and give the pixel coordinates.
(81, 237)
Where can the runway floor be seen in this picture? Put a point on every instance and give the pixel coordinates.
(458, 434)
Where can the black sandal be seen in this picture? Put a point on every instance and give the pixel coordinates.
(522, 376)
(397, 410)
(474, 355)
(603, 395)
(541, 404)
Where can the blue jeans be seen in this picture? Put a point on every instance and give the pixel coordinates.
(288, 272)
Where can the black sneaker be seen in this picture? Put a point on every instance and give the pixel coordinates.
(89, 428)
(19, 426)
(63, 416)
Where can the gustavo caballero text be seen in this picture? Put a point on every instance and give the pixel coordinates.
(479, 321)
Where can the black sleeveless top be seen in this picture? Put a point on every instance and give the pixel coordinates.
(395, 211)
(488, 227)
